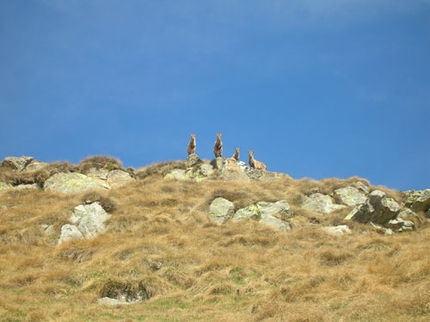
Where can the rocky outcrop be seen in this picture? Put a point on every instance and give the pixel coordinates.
(87, 221)
(377, 209)
(349, 196)
(320, 203)
(220, 210)
(271, 214)
(16, 163)
(72, 183)
(418, 200)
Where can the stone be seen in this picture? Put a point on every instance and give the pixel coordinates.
(4, 186)
(378, 209)
(71, 183)
(119, 178)
(320, 203)
(266, 213)
(91, 219)
(337, 230)
(418, 200)
(87, 221)
(220, 210)
(217, 163)
(349, 196)
(69, 232)
(193, 160)
(16, 163)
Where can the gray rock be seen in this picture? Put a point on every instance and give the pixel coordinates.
(4, 186)
(90, 219)
(266, 212)
(418, 200)
(378, 209)
(220, 210)
(320, 203)
(71, 183)
(337, 230)
(69, 232)
(119, 178)
(193, 160)
(206, 170)
(17, 163)
(86, 222)
(349, 196)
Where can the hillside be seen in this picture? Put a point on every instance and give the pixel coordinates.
(277, 249)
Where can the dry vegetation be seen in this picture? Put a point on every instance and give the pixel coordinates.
(160, 244)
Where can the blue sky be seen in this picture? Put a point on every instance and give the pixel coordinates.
(317, 89)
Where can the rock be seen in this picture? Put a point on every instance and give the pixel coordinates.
(418, 200)
(400, 225)
(349, 196)
(28, 186)
(71, 183)
(220, 210)
(16, 163)
(320, 203)
(193, 160)
(90, 219)
(230, 170)
(177, 174)
(119, 178)
(266, 212)
(206, 170)
(378, 209)
(86, 222)
(337, 230)
(69, 232)
(35, 165)
(4, 186)
(217, 163)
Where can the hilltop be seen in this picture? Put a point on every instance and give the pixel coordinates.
(206, 240)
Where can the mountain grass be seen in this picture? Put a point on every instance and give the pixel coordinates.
(161, 246)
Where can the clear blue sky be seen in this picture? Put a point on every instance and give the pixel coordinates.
(317, 89)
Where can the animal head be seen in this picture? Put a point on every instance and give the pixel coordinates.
(193, 136)
(219, 135)
(251, 153)
(237, 150)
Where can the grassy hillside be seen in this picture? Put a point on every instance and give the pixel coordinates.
(159, 242)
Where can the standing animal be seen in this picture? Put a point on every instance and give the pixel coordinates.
(236, 154)
(192, 145)
(218, 146)
(254, 163)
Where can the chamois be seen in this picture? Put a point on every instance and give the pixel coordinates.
(236, 154)
(254, 163)
(192, 145)
(218, 146)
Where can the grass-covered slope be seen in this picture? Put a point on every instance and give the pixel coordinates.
(161, 246)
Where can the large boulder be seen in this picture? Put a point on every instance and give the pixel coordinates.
(87, 221)
(17, 163)
(71, 183)
(271, 214)
(418, 200)
(119, 178)
(378, 209)
(320, 203)
(220, 210)
(349, 196)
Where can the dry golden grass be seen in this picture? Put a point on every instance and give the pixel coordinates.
(159, 243)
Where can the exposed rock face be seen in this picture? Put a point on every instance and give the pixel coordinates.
(418, 200)
(221, 210)
(266, 212)
(72, 182)
(86, 222)
(349, 196)
(17, 163)
(378, 209)
(320, 203)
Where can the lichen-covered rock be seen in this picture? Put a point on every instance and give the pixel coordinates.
(16, 163)
(119, 178)
(4, 186)
(349, 196)
(378, 209)
(320, 203)
(220, 210)
(69, 232)
(266, 212)
(72, 183)
(418, 200)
